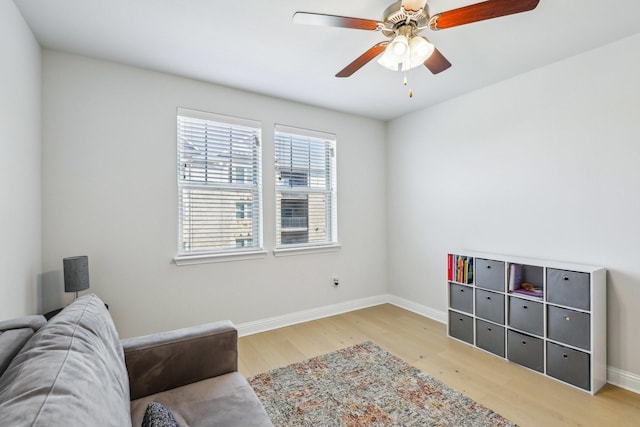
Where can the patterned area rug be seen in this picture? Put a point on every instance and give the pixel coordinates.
(364, 385)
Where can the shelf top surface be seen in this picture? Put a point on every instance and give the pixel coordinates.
(531, 261)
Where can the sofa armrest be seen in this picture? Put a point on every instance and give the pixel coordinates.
(34, 322)
(172, 359)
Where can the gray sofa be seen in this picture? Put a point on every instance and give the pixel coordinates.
(75, 371)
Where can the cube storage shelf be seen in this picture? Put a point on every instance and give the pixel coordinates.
(545, 315)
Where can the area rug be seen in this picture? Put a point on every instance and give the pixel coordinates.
(364, 385)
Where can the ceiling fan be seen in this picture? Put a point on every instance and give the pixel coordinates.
(403, 22)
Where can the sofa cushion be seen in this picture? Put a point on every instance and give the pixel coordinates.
(157, 415)
(71, 371)
(227, 400)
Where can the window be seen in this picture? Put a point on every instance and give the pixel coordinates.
(219, 184)
(305, 188)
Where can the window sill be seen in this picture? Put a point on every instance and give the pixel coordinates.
(181, 260)
(301, 250)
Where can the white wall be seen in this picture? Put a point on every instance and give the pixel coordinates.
(109, 191)
(20, 187)
(543, 165)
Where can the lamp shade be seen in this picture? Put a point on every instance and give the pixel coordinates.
(76, 273)
(403, 54)
(399, 46)
(421, 49)
(394, 61)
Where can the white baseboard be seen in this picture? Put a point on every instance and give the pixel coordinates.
(250, 328)
(623, 379)
(617, 377)
(423, 310)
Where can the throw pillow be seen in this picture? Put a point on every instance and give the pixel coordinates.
(157, 415)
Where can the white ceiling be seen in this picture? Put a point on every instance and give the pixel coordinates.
(254, 45)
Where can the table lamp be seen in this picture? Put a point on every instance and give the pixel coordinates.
(76, 273)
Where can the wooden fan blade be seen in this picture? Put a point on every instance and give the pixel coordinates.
(363, 59)
(437, 63)
(480, 12)
(413, 5)
(308, 18)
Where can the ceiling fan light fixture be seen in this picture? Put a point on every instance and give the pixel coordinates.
(393, 61)
(397, 55)
(421, 49)
(416, 52)
(399, 45)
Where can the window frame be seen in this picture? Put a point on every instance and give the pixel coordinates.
(330, 171)
(251, 183)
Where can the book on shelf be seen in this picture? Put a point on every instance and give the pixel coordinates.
(536, 293)
(517, 285)
(460, 268)
(515, 276)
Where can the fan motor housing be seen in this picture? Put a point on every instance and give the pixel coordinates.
(395, 17)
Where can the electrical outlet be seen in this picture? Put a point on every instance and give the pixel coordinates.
(336, 281)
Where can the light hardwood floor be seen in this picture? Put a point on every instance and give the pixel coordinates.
(524, 397)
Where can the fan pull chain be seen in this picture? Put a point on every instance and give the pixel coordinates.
(405, 83)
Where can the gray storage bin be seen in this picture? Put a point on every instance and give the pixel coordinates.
(569, 327)
(490, 274)
(568, 288)
(569, 365)
(490, 337)
(461, 326)
(461, 297)
(526, 315)
(525, 350)
(490, 306)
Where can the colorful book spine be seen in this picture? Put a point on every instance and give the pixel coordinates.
(460, 268)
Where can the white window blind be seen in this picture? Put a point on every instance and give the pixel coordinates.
(219, 184)
(306, 202)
